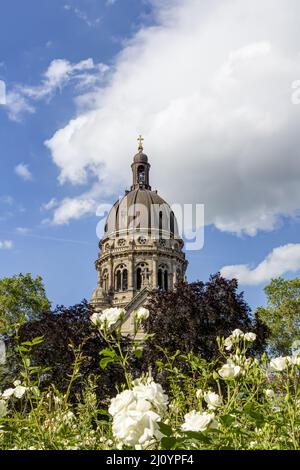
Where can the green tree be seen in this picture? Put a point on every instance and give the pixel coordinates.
(21, 297)
(282, 313)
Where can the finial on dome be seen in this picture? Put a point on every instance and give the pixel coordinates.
(140, 141)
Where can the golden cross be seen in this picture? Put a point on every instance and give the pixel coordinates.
(140, 141)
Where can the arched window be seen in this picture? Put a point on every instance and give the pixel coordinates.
(125, 280)
(160, 279)
(105, 280)
(172, 223)
(138, 278)
(160, 223)
(118, 280)
(141, 174)
(166, 281)
(163, 278)
(121, 278)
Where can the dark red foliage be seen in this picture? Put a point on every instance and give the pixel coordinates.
(190, 318)
(60, 328)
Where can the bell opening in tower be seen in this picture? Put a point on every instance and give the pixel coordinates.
(141, 175)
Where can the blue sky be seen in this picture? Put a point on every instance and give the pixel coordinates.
(219, 119)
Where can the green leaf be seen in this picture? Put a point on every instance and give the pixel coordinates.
(165, 429)
(105, 361)
(227, 420)
(138, 353)
(107, 352)
(22, 349)
(198, 436)
(167, 443)
(251, 411)
(37, 340)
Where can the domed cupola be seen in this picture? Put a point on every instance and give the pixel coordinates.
(141, 249)
(140, 169)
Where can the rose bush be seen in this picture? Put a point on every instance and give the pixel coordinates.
(235, 401)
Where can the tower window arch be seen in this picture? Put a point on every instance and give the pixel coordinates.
(121, 278)
(166, 280)
(139, 278)
(105, 280)
(124, 280)
(163, 278)
(160, 223)
(172, 223)
(141, 174)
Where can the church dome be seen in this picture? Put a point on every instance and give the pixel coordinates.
(140, 157)
(141, 250)
(141, 211)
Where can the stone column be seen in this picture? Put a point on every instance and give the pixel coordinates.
(174, 275)
(154, 272)
(131, 272)
(111, 274)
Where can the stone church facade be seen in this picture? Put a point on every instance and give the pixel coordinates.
(141, 250)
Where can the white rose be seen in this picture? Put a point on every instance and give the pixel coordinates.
(296, 361)
(142, 314)
(199, 422)
(296, 344)
(251, 337)
(229, 371)
(213, 400)
(3, 408)
(136, 429)
(107, 318)
(111, 316)
(17, 382)
(122, 402)
(95, 319)
(152, 393)
(199, 393)
(280, 363)
(269, 393)
(8, 393)
(19, 391)
(228, 343)
(237, 333)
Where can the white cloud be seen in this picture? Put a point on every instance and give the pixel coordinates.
(23, 230)
(2, 93)
(209, 87)
(49, 205)
(23, 171)
(83, 16)
(73, 209)
(6, 244)
(17, 105)
(282, 260)
(84, 74)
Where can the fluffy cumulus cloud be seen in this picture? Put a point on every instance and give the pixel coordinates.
(282, 260)
(209, 86)
(22, 98)
(22, 170)
(73, 208)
